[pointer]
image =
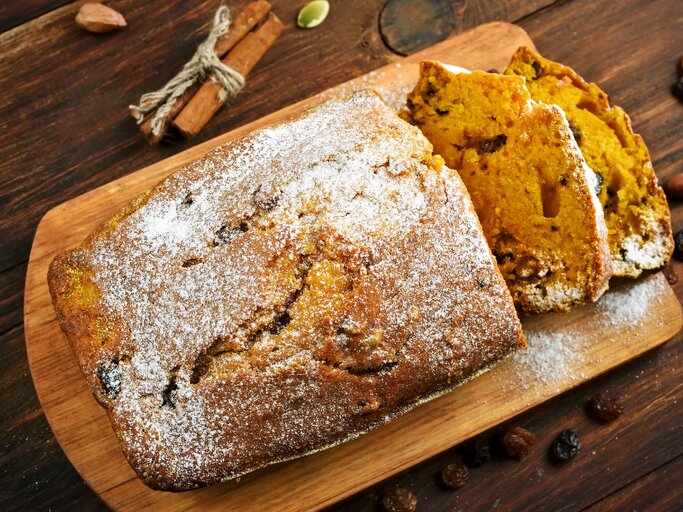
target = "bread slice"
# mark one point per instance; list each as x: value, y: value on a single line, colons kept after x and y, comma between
x: 636, y: 212
x: 531, y: 188
x: 286, y: 292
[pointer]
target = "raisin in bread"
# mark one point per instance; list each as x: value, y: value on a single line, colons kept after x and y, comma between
x: 283, y: 294
x: 636, y: 212
x: 530, y: 186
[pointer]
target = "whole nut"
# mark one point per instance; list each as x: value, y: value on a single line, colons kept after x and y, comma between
x: 674, y: 187
x: 99, y: 18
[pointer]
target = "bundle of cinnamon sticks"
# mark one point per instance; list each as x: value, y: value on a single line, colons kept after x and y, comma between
x: 241, y: 49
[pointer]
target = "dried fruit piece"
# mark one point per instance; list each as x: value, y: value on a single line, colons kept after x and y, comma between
x: 226, y: 234
x: 476, y: 454
x: 109, y: 375
x: 517, y: 442
x: 598, y: 187
x: 491, y: 145
x: 678, y: 241
x: 538, y: 70
x: 455, y: 475
x: 313, y: 14
x: 575, y: 132
x: 677, y: 89
x: 603, y: 408
x: 399, y: 499
x: 566, y: 446
x: 670, y: 273
x: 674, y: 187
x: 99, y: 18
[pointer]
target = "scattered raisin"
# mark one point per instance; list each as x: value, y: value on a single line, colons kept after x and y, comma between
x: 267, y: 199
x: 399, y: 499
x: 502, y: 258
x: 678, y: 249
x: 670, y: 273
x: 201, y: 368
x: 269, y: 203
x: 566, y: 446
x: 603, y: 408
x: 538, y: 70
x: 280, y: 323
x: 518, y: 442
x: 441, y: 112
x: 677, y: 89
x: 431, y: 90
x: 476, y: 454
x: 674, y: 187
x: 189, y: 199
x: 167, y: 395
x: 372, y: 404
x: 598, y: 187
x: 575, y: 132
x: 109, y: 375
x: 226, y: 234
x: 190, y: 262
x: 491, y: 145
x: 455, y: 475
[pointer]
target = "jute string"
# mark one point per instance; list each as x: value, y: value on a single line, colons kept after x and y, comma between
x: 204, y: 63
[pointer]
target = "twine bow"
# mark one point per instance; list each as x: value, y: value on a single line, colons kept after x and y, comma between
x: 204, y: 63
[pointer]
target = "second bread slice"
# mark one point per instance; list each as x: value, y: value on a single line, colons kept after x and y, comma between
x: 532, y: 189
x: 636, y: 212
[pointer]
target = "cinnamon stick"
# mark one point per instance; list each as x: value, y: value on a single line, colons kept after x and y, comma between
x: 242, y: 58
x: 251, y: 15
x: 244, y: 22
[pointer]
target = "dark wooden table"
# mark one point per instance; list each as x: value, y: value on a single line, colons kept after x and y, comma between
x: 65, y: 130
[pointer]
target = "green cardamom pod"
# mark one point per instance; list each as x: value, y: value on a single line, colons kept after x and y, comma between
x: 313, y: 13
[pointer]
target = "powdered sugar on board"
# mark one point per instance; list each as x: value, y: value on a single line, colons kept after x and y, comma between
x: 557, y: 349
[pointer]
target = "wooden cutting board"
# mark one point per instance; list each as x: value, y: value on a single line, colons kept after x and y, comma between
x: 566, y: 349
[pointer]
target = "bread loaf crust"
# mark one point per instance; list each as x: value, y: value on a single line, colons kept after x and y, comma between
x: 285, y: 293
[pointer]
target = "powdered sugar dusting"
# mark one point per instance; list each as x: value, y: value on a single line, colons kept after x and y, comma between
x: 629, y: 305
x: 290, y: 291
x: 556, y: 354
x: 551, y: 356
x: 645, y: 252
x: 393, y: 85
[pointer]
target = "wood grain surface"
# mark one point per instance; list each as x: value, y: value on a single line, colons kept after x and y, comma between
x: 82, y: 427
x: 65, y: 130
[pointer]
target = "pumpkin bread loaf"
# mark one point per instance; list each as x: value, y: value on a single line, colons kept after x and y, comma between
x: 531, y: 188
x: 636, y: 212
x: 284, y: 293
